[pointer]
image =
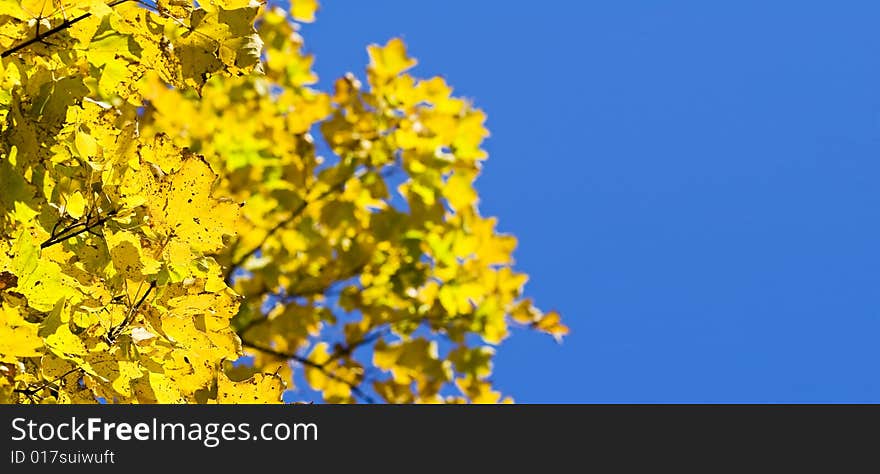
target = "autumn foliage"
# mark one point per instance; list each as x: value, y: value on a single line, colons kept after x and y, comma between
x: 185, y: 217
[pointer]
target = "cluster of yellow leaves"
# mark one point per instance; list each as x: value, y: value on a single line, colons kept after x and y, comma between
x: 112, y: 289
x: 165, y: 211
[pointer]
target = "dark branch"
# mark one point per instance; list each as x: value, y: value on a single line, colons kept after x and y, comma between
x: 29, y: 392
x: 294, y: 214
x: 240, y: 260
x: 355, y: 388
x: 76, y: 229
x: 345, y: 351
x: 63, y: 26
x: 247, y: 327
x: 326, y: 290
x: 132, y: 312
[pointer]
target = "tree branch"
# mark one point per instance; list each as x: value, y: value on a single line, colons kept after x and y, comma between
x: 355, y: 388
x: 132, y: 312
x: 63, y: 26
x: 29, y: 392
x: 296, y: 212
x: 74, y: 230
x: 346, y: 350
x: 325, y: 290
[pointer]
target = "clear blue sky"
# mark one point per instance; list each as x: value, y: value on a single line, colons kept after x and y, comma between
x: 694, y: 185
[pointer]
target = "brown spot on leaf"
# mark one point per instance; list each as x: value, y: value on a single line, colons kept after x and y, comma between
x: 7, y: 280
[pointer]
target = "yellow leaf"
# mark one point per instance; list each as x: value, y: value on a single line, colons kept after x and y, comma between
x: 260, y: 388
x: 18, y: 337
x: 76, y: 205
x: 13, y: 9
x: 478, y: 391
x: 128, y: 256
x: 54, y: 367
x: 491, y: 320
x: 164, y: 390
x: 394, y: 392
x: 332, y: 379
x: 551, y: 323
x: 86, y: 145
x: 459, y: 191
x: 190, y: 371
x: 493, y: 249
x: 391, y: 59
x: 40, y: 280
x: 179, y: 8
x: 303, y: 10
x: 411, y: 360
x: 113, y: 75
x: 56, y: 330
x: 127, y: 371
x: 476, y: 362
x: 18, y: 197
x: 223, y: 40
x: 99, y: 8
x: 187, y: 210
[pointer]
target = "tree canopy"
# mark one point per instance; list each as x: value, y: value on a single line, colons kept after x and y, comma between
x: 185, y: 217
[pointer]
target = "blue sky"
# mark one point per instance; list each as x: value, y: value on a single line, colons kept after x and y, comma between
x: 694, y: 185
